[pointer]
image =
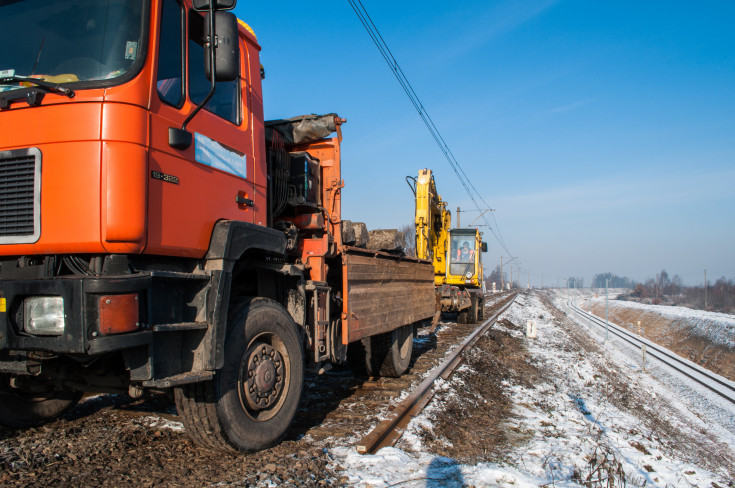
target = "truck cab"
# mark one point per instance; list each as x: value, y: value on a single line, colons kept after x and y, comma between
x: 118, y: 242
x: 98, y: 175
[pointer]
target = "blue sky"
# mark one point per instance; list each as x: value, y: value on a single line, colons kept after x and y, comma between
x: 603, y: 133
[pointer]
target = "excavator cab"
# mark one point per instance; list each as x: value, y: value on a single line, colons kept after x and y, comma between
x: 465, y: 257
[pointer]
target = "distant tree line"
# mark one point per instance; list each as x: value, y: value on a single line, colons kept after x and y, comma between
x: 718, y: 296
x: 661, y: 289
x: 613, y: 281
x: 575, y: 282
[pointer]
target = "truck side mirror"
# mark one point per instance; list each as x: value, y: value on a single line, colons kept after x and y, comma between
x: 227, y: 48
x: 483, y: 247
x: 202, y: 5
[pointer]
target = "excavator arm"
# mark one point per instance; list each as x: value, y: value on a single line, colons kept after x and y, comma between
x: 433, y: 222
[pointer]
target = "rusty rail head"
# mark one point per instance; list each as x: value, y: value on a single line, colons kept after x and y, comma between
x: 388, y: 431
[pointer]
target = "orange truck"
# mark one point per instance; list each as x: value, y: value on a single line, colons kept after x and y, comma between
x: 157, y: 234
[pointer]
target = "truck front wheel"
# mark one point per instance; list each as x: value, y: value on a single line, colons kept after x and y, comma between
x: 22, y: 407
x: 250, y: 403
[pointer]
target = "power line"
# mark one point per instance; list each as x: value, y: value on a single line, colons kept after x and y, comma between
x: 377, y: 38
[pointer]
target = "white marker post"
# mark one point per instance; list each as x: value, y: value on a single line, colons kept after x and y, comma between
x: 643, y: 352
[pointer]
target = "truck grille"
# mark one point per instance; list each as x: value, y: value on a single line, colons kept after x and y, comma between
x: 20, y: 196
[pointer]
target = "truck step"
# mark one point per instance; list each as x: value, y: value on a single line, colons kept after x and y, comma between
x: 180, y: 379
x: 179, y: 326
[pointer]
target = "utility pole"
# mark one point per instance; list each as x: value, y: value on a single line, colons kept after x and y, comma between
x: 542, y: 281
x: 518, y: 274
x: 502, y: 283
x: 529, y: 279
x: 457, y: 218
x: 705, y: 287
x: 511, y: 276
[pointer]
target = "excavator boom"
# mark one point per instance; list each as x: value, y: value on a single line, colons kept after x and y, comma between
x: 433, y: 222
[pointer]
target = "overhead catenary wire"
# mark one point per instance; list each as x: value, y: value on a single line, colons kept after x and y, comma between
x: 395, y: 67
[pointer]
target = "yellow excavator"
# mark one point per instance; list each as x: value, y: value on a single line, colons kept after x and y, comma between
x: 456, y: 253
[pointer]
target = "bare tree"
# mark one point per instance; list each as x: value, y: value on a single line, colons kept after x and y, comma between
x: 409, y: 239
x: 672, y: 291
x: 495, y: 278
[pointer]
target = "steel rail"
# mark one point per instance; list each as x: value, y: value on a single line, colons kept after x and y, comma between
x: 672, y: 360
x: 659, y: 349
x: 388, y: 431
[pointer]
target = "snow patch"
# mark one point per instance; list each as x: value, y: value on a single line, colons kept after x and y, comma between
x: 578, y: 433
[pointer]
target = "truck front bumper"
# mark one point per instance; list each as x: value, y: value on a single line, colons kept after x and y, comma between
x: 84, y: 298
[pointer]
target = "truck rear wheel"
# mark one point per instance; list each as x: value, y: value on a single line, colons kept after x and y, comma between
x: 252, y: 400
x: 22, y: 408
x: 387, y: 354
x: 359, y: 357
x: 399, y: 343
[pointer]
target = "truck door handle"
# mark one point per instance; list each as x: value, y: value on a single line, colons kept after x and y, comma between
x: 244, y: 201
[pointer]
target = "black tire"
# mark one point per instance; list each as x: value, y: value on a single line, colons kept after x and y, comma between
x: 399, y: 349
x: 359, y: 357
x: 462, y: 316
x: 472, y: 312
x: 252, y: 400
x: 20, y: 409
x: 481, y: 310
x: 387, y: 354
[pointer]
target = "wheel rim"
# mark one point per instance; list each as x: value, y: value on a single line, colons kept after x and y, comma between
x: 264, y: 377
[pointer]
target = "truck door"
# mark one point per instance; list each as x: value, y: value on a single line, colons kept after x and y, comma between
x: 193, y: 188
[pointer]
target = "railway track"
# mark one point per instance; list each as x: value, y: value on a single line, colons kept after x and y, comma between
x: 387, y: 432
x: 338, y: 404
x: 713, y: 382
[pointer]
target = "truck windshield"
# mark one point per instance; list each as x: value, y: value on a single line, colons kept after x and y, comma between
x: 462, y: 254
x: 66, y: 41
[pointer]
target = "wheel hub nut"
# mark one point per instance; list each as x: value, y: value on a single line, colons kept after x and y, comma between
x: 263, y: 377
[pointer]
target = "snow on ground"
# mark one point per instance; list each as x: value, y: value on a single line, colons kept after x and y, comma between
x: 160, y: 423
x: 690, y: 398
x: 713, y: 326
x: 594, y: 417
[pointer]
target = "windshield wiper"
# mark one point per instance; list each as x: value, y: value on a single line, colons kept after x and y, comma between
x: 48, y: 86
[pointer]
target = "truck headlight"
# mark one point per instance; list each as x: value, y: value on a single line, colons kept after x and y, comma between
x: 469, y: 275
x: 43, y: 315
